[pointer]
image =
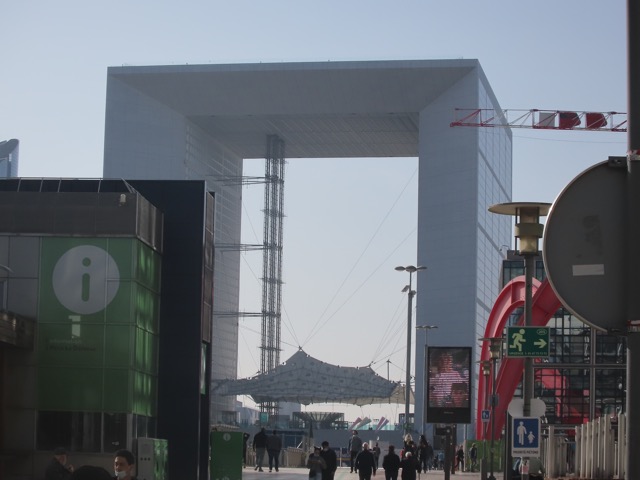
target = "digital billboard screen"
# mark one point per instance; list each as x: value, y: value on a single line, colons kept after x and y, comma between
x: 449, y: 385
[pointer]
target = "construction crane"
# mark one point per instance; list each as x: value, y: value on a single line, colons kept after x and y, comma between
x: 542, y: 119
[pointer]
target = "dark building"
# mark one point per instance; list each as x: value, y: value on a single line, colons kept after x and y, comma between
x: 105, y: 321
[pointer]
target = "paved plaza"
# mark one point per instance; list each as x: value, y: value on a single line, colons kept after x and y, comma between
x: 343, y: 474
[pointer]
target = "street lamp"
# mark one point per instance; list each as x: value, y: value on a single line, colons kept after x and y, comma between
x: 486, y: 371
x: 410, y: 293
x: 528, y: 230
x: 426, y: 328
x: 495, y: 349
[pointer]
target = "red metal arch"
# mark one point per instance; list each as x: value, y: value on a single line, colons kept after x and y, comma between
x: 544, y: 305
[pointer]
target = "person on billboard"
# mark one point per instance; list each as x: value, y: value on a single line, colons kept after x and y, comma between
x: 459, y: 395
x: 445, y: 376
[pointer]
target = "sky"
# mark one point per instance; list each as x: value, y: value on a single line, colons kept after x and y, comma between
x: 342, y: 300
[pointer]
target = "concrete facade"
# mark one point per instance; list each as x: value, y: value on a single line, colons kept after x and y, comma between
x: 201, y: 121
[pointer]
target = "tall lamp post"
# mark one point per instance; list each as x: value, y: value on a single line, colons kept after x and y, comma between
x: 486, y: 371
x: 410, y: 293
x: 528, y: 230
x: 495, y: 348
x: 426, y: 329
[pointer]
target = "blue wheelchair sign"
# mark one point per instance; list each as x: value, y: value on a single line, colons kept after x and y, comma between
x: 486, y: 414
x: 526, y: 436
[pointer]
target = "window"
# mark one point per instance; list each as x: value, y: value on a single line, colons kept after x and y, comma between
x: 77, y: 431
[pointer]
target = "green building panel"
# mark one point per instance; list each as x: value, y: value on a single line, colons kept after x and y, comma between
x: 71, y: 344
x: 98, y: 313
x: 70, y: 389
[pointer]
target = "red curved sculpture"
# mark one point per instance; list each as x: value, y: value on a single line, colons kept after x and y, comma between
x: 545, y: 303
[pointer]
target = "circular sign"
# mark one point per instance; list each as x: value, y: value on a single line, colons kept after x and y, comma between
x: 80, y: 279
x: 584, y: 248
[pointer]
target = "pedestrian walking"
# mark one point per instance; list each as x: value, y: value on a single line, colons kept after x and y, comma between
x: 391, y: 464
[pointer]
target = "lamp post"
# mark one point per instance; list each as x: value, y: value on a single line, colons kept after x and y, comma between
x: 486, y: 371
x: 528, y: 230
x: 426, y: 329
x: 495, y: 349
x: 410, y: 293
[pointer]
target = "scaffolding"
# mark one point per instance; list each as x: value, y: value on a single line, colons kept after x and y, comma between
x: 272, y: 261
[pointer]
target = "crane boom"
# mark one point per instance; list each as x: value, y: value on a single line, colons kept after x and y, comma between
x: 542, y: 119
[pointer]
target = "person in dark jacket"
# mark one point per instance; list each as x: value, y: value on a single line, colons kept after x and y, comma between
x: 274, y: 445
x: 124, y: 463
x: 391, y: 464
x: 245, y: 439
x: 409, y: 467
x: 316, y: 464
x: 58, y: 469
x: 423, y: 463
x: 260, y: 447
x: 90, y: 472
x: 365, y: 463
x: 331, y: 459
x: 355, y: 447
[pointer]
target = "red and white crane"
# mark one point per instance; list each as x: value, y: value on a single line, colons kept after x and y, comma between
x: 542, y: 119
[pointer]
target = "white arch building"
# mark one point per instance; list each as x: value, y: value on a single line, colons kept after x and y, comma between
x: 201, y: 121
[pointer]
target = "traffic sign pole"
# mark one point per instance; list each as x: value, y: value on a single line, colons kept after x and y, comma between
x: 633, y: 225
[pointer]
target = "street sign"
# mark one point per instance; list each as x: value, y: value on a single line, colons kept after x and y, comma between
x: 526, y: 437
x: 537, y: 407
x: 584, y: 249
x: 486, y: 414
x: 527, y: 342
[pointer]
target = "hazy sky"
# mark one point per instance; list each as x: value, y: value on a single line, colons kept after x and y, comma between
x: 349, y: 222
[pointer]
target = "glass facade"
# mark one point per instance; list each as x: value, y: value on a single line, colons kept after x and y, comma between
x: 9, y: 155
x: 585, y: 374
x: 223, y: 172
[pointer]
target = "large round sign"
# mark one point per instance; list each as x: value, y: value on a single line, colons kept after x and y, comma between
x: 584, y: 247
x: 81, y: 276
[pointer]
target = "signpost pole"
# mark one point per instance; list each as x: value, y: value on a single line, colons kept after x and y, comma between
x: 633, y: 219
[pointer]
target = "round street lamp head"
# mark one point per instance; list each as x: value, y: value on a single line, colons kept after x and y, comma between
x: 410, y: 268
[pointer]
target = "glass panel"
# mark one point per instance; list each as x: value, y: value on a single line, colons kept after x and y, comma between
x: 76, y: 431
x: 67, y: 388
x: 115, y: 431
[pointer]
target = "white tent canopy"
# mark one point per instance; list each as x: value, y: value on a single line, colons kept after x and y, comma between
x: 306, y: 380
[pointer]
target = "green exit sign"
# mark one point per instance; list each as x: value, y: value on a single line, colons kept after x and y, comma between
x: 525, y: 342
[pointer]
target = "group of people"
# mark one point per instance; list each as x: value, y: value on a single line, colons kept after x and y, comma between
x: 412, y: 459
x: 59, y: 468
x: 263, y: 443
x: 322, y: 463
x: 422, y: 452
